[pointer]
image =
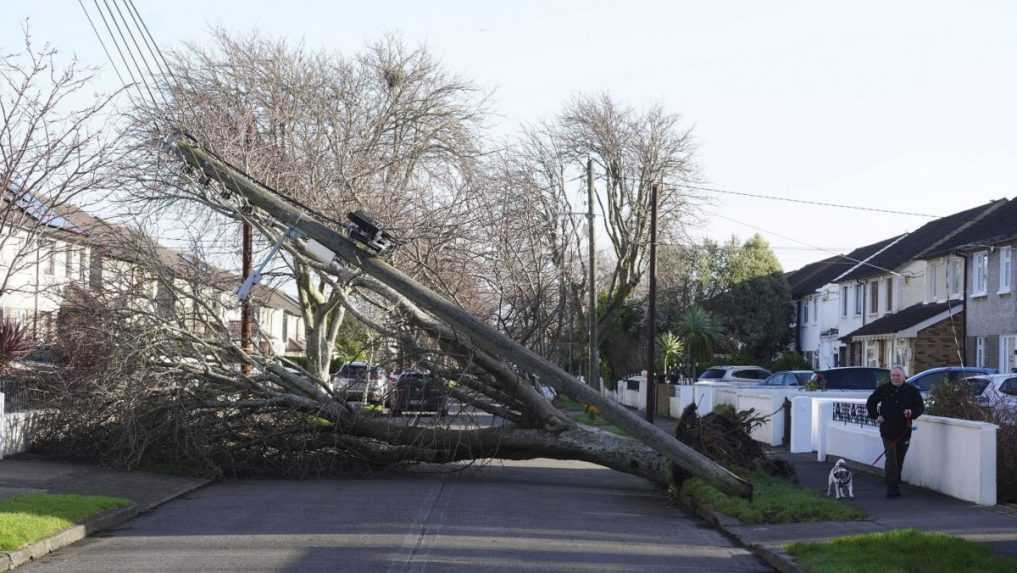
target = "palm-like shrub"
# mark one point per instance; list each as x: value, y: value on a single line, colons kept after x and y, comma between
x: 14, y: 342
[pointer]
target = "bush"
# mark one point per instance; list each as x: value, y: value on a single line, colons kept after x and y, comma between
x: 790, y: 361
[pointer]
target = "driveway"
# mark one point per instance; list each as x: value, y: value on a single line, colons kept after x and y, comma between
x: 539, y: 515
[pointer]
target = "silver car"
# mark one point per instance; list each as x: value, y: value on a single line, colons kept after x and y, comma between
x: 740, y: 375
x: 995, y: 390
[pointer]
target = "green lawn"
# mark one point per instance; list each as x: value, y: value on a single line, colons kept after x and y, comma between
x: 775, y: 500
x: 29, y: 517
x: 899, y: 551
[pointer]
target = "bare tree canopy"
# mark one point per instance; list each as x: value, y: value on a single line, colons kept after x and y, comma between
x: 52, y: 155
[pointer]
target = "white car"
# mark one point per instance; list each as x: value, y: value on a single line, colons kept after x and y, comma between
x: 995, y: 390
x: 740, y: 375
x: 355, y: 377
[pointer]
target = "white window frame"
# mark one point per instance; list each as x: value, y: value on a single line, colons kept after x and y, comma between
x: 873, y: 297
x: 1005, y: 270
x: 980, y: 352
x: 980, y: 273
x: 805, y: 311
x: 859, y: 298
x: 1007, y: 359
x: 933, y: 282
x: 815, y: 310
x: 845, y: 292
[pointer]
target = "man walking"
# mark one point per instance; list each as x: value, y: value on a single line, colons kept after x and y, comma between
x: 894, y: 406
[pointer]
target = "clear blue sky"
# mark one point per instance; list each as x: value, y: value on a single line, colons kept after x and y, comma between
x: 907, y: 105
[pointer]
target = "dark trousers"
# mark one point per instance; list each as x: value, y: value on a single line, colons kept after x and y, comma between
x: 895, y: 453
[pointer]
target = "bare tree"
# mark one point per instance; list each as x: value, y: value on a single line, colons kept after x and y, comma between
x: 53, y: 155
x: 387, y: 131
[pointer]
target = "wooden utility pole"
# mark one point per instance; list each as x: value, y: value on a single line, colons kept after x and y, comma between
x: 594, y: 347
x: 245, y: 306
x: 651, y: 313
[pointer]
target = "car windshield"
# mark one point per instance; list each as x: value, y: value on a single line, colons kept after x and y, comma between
x: 358, y: 371
x: 803, y: 377
x: 712, y: 374
x: 977, y: 385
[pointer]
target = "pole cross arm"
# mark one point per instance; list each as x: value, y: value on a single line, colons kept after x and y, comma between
x: 480, y: 334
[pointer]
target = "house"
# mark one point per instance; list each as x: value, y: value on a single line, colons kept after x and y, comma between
x: 41, y: 252
x: 818, y: 303
x: 908, y: 308
x: 983, y: 274
x: 68, y: 246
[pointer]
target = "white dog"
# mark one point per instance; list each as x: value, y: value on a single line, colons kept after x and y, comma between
x: 841, y: 481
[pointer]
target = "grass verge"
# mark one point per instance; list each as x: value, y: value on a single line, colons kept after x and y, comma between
x: 774, y: 500
x: 29, y: 517
x: 899, y: 551
x: 583, y: 415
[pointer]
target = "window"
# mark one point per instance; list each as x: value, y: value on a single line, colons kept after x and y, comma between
x: 285, y: 328
x: 1009, y: 387
x: 46, y: 256
x: 805, y: 313
x: 980, y: 352
x: 874, y: 297
x: 1005, y: 269
x: 843, y: 301
x: 933, y: 281
x: 859, y: 294
x: 83, y: 266
x: 815, y: 309
x: 925, y: 383
x: 956, y: 273
x: 979, y: 280
x: 712, y: 374
x: 68, y: 262
x: 889, y: 294
x: 1007, y: 356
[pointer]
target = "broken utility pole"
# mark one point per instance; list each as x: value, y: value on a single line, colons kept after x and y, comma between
x: 475, y: 332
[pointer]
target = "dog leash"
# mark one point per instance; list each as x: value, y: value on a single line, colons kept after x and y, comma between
x: 893, y: 443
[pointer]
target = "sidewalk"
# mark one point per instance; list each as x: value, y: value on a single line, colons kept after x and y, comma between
x: 29, y: 473
x: 918, y: 508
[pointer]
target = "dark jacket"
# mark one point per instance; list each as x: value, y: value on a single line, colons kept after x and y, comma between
x: 890, y: 402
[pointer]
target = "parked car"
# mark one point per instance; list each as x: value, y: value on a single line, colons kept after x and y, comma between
x: 850, y: 378
x: 353, y: 378
x: 788, y: 378
x: 419, y: 392
x: 742, y: 375
x: 926, y: 379
x: 995, y: 390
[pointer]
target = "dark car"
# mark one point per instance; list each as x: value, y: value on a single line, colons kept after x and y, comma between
x: 926, y: 379
x: 851, y: 378
x: 788, y: 378
x: 419, y: 392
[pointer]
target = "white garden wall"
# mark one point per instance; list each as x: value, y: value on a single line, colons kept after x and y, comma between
x: 955, y: 457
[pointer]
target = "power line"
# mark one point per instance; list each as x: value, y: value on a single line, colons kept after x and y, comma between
x: 792, y: 239
x: 811, y: 202
x: 769, y: 197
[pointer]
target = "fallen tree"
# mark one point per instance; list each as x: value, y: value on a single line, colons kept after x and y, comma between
x: 538, y: 431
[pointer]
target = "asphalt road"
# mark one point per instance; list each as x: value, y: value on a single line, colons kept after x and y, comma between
x: 540, y: 515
